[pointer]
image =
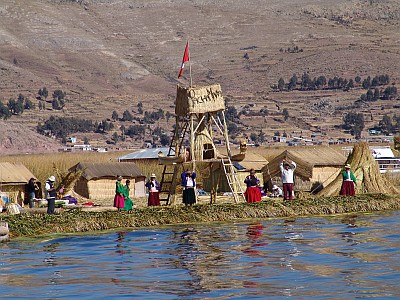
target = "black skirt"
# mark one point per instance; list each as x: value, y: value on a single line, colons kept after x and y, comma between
x: 188, y: 196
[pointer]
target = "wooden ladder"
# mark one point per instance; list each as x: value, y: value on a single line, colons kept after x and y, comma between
x: 169, y: 175
x: 231, y: 178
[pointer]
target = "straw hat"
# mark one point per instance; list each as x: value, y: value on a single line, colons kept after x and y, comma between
x: 347, y: 166
x: 153, y: 175
x: 52, y: 178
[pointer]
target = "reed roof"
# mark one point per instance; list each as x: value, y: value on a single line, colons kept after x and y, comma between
x: 251, y: 161
x: 101, y: 170
x: 14, y: 173
x: 307, y: 159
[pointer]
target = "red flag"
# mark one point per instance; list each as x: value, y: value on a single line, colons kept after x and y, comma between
x: 185, y: 59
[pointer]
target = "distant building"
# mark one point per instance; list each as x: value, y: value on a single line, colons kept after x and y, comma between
x: 144, y: 154
x: 71, y: 140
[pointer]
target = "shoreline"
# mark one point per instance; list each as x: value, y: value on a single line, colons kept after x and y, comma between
x: 31, y: 224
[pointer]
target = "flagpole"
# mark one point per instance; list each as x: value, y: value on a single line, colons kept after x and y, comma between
x: 190, y: 65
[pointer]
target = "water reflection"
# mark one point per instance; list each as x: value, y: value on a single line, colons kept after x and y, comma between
x: 354, y: 256
x: 254, y: 233
x: 122, y: 245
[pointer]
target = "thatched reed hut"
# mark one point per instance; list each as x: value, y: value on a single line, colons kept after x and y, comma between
x: 251, y: 161
x: 98, y: 179
x: 314, y: 165
x: 14, y: 178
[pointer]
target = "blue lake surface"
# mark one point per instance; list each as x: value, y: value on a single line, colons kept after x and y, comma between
x: 341, y: 257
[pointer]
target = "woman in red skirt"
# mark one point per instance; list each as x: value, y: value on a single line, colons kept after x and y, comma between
x: 252, y: 193
x: 349, y: 180
x: 154, y: 191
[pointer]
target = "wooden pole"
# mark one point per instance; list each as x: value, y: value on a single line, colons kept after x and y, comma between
x: 190, y: 66
x: 192, y: 142
x: 213, y: 191
x: 228, y: 148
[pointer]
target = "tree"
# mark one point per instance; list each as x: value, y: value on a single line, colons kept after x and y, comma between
x: 115, y: 137
x: 168, y: 115
x: 366, y: 83
x: 261, y: 137
x: 292, y: 83
x: 4, y: 111
x: 386, y: 124
x: 127, y: 116
x: 28, y: 104
x: 320, y: 81
x: 86, y: 140
x: 253, y: 137
x: 376, y: 94
x: 140, y: 108
x: 305, y: 81
x: 165, y: 139
x: 231, y: 114
x: 114, y: 115
x: 285, y: 114
x: 15, y: 107
x: 59, y: 95
x: 350, y: 84
x: 355, y: 123
x: 232, y: 128
x: 43, y: 93
x: 281, y: 84
x: 389, y: 93
x: 55, y: 104
x: 122, y: 128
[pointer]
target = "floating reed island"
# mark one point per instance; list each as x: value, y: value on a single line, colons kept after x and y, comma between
x: 374, y: 193
x: 31, y: 224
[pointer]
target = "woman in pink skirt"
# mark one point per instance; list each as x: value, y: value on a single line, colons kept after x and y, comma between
x: 119, y: 199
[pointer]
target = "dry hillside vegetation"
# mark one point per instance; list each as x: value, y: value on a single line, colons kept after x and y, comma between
x: 110, y: 54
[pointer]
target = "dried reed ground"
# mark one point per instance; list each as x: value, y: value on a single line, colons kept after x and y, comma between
x: 74, y: 221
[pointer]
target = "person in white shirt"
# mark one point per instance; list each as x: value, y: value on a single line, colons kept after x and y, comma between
x: 287, y: 174
x: 188, y: 187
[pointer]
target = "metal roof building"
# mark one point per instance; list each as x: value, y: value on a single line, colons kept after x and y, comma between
x: 148, y: 153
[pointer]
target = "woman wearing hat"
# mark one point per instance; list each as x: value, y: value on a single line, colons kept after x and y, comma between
x: 119, y: 199
x: 154, y: 191
x: 252, y: 193
x: 287, y: 168
x: 349, y: 180
x: 51, y: 193
x: 188, y: 186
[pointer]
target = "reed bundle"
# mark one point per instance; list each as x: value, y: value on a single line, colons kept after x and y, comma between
x: 366, y: 171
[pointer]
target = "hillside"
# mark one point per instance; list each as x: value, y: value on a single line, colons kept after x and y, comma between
x: 110, y: 55
x: 17, y: 138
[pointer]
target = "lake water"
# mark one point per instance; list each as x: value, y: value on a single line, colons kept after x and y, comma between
x: 341, y: 257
